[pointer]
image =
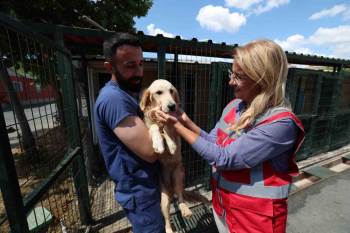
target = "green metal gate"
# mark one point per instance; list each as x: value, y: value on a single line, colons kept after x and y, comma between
x: 42, y: 174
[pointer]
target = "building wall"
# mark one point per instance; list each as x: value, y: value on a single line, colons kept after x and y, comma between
x: 28, y: 91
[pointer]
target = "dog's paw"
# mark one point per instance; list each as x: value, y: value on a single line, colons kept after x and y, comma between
x: 169, y: 230
x: 158, y: 146
x: 172, y: 148
x: 185, y: 211
x: 158, y: 149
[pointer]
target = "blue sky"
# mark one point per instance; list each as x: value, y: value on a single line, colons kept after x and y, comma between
x: 320, y: 27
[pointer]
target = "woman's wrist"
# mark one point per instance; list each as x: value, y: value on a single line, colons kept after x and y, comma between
x: 178, y: 125
x: 187, y: 134
x: 184, y: 122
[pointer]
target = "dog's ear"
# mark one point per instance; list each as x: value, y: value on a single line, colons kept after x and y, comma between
x: 145, y: 100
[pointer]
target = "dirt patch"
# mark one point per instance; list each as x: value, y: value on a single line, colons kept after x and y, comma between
x: 61, y: 202
x: 61, y: 199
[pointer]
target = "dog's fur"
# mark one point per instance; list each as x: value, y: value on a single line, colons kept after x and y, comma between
x: 162, y: 94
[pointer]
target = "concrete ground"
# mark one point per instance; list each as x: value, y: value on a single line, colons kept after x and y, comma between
x: 319, y: 202
x: 323, y: 207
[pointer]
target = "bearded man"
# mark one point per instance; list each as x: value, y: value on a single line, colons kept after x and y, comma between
x: 123, y: 137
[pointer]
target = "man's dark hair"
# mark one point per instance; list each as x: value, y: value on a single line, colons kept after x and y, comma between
x: 111, y: 44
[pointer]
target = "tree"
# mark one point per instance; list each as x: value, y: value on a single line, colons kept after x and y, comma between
x: 118, y: 15
x: 28, y: 140
x: 17, y: 53
x: 114, y: 15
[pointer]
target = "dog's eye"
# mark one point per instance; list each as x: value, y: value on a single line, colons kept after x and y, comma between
x: 159, y: 92
x: 171, y: 91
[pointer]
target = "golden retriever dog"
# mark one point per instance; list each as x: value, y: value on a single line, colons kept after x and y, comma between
x: 162, y: 95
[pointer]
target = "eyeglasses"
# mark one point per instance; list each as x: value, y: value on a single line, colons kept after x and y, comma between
x: 234, y: 76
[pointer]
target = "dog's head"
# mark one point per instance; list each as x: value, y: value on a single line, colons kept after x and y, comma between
x: 160, y: 93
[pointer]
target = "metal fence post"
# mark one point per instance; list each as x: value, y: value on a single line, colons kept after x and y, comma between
x: 212, y: 108
x: 9, y: 185
x: 161, y: 62
x: 213, y: 95
x: 69, y: 99
x: 80, y: 180
x: 291, y: 87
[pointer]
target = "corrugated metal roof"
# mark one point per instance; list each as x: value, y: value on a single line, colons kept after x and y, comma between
x: 76, y: 37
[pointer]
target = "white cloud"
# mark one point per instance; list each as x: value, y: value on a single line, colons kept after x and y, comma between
x: 152, y: 30
x: 241, y: 4
x: 336, y: 35
x: 331, y: 12
x: 295, y: 43
x: 256, y: 6
x: 269, y: 5
x: 217, y: 18
x: 336, y: 40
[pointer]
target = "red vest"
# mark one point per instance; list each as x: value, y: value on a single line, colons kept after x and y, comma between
x: 258, y: 189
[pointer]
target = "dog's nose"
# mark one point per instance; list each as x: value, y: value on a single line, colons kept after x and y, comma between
x: 171, y: 107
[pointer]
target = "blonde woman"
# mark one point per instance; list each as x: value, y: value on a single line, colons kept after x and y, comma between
x: 252, y: 147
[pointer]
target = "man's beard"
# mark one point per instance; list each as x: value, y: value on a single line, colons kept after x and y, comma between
x: 129, y: 84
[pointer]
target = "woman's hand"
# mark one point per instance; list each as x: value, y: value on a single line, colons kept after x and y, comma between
x: 165, y: 118
x: 182, y: 117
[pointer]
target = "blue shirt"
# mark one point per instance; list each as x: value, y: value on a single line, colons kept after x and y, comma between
x: 274, y: 142
x: 135, y: 178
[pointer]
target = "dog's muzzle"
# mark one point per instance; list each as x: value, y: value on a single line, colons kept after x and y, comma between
x: 171, y: 107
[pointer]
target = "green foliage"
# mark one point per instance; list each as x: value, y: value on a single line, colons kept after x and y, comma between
x: 118, y: 15
x: 115, y: 15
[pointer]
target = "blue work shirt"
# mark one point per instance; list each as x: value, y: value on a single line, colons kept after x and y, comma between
x: 136, y: 180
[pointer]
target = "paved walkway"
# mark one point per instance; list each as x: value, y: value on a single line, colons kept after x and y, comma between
x: 322, y: 208
x: 322, y: 204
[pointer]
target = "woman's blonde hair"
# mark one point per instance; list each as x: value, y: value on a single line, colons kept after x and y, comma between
x: 266, y: 63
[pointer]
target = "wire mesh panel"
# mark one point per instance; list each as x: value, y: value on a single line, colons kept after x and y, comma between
x: 191, y: 73
x: 344, y: 97
x: 220, y: 88
x: 107, y: 213
x: 32, y: 107
x: 58, y: 210
x: 329, y: 94
x: 303, y: 88
x: 39, y: 109
x: 340, y: 132
x: 321, y: 132
x: 292, y: 86
x: 306, y: 148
